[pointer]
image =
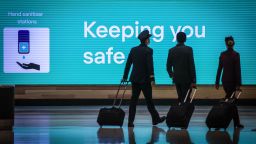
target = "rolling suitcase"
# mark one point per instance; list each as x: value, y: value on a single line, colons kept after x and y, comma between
x: 179, y: 116
x: 7, y: 107
x: 221, y: 114
x: 115, y: 115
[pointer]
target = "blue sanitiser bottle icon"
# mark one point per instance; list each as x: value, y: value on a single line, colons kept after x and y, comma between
x: 23, y: 42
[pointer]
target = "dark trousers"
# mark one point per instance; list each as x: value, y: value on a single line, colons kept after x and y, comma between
x: 147, y: 91
x: 229, y: 88
x: 182, y: 90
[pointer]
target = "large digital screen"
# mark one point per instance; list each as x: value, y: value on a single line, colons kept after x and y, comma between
x: 88, y: 42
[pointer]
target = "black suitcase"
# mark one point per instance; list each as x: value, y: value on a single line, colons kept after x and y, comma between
x: 7, y: 107
x: 179, y: 116
x: 115, y: 115
x: 221, y: 114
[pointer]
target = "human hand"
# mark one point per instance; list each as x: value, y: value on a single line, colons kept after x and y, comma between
x: 238, y: 88
x: 153, y: 83
x: 193, y: 85
x: 217, y: 86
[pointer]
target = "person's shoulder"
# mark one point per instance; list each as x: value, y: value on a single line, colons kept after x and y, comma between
x: 189, y: 47
x: 173, y: 48
x: 236, y: 53
x: 133, y: 48
x: 224, y: 52
x: 149, y: 49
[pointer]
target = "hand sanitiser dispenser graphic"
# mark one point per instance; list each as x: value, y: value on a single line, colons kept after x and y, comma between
x: 23, y: 41
x: 26, y: 50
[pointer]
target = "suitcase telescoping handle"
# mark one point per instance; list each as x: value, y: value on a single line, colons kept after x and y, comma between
x: 238, y: 95
x: 234, y: 93
x: 190, y: 89
x: 125, y: 83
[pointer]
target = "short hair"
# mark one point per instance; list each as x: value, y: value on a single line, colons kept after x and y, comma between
x: 229, y: 40
x: 181, y: 37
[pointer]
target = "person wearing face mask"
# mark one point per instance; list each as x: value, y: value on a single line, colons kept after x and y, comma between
x: 229, y: 67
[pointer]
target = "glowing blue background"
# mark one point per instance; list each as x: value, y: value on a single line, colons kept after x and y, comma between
x: 65, y: 19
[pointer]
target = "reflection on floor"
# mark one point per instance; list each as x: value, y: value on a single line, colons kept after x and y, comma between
x: 77, y: 125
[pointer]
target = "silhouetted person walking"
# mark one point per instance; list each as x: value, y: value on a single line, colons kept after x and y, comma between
x: 181, y: 67
x: 229, y: 62
x: 142, y: 77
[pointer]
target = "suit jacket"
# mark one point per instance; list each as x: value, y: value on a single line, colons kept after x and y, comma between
x: 229, y: 61
x: 141, y: 57
x: 180, y: 64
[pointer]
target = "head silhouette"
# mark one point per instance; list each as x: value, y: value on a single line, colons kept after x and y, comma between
x: 181, y: 37
x: 144, y: 37
x: 229, y: 40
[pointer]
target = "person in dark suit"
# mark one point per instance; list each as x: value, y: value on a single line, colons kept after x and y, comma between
x: 181, y: 67
x: 229, y: 62
x: 141, y: 77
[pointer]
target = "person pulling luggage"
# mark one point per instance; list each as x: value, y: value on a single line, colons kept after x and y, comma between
x: 229, y: 63
x: 180, y: 66
x: 141, y: 77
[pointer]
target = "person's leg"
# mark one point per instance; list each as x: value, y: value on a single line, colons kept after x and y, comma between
x: 147, y: 91
x: 136, y: 89
x: 179, y: 92
x: 229, y: 88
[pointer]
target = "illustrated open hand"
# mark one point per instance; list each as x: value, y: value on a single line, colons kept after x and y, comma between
x: 29, y: 66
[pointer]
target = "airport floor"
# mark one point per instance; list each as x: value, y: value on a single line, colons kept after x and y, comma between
x: 77, y: 125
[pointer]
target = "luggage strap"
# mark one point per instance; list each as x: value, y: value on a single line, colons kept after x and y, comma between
x: 125, y: 84
x: 190, y: 89
x: 234, y: 93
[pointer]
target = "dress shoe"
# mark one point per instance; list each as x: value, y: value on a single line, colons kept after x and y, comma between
x: 239, y: 126
x: 160, y: 120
